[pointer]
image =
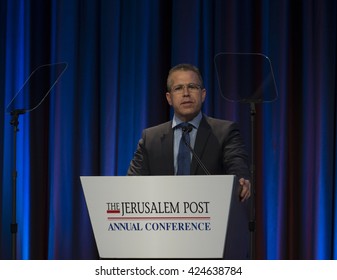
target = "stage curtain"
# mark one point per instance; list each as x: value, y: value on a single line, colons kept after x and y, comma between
x: 118, y: 54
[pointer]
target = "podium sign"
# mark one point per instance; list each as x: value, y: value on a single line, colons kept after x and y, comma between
x: 170, y: 217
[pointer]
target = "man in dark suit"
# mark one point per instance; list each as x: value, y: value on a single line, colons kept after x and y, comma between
x: 217, y: 142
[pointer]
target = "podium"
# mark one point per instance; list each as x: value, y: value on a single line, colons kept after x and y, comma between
x: 166, y: 217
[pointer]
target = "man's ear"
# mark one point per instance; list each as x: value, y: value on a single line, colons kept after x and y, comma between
x: 203, y: 95
x: 168, y: 98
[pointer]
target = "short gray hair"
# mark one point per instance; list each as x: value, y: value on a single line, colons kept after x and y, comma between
x: 184, y: 67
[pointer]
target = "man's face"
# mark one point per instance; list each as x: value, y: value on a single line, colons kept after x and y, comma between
x: 186, y: 95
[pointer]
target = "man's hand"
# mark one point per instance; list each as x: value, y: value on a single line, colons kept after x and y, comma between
x: 245, y: 189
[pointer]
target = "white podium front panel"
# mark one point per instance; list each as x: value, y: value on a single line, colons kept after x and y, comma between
x: 159, y: 216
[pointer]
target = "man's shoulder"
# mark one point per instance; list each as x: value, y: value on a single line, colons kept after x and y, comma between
x: 215, y: 122
x: 159, y: 128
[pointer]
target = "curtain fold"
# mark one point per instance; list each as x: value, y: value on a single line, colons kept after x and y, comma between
x: 118, y: 55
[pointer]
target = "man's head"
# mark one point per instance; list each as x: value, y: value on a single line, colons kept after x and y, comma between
x: 185, y: 91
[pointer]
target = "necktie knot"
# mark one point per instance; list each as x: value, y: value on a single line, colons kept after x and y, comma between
x: 186, y: 127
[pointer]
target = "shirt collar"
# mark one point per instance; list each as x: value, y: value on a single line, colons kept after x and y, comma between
x: 195, y: 122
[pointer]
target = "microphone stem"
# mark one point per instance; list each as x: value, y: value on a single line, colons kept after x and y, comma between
x: 195, y: 155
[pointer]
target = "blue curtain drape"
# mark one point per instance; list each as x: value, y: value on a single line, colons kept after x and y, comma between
x: 118, y: 55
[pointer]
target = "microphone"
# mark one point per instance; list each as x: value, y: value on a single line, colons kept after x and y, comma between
x: 188, y: 129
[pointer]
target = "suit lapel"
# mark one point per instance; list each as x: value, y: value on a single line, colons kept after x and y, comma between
x: 167, y: 148
x: 203, y: 134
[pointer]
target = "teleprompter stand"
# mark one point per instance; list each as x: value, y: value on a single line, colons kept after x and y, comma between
x: 247, y: 78
x: 40, y: 82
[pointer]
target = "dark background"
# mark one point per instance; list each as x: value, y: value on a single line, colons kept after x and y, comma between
x: 118, y: 55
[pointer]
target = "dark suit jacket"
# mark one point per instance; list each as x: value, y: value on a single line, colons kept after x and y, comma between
x: 218, y: 144
x: 220, y: 147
